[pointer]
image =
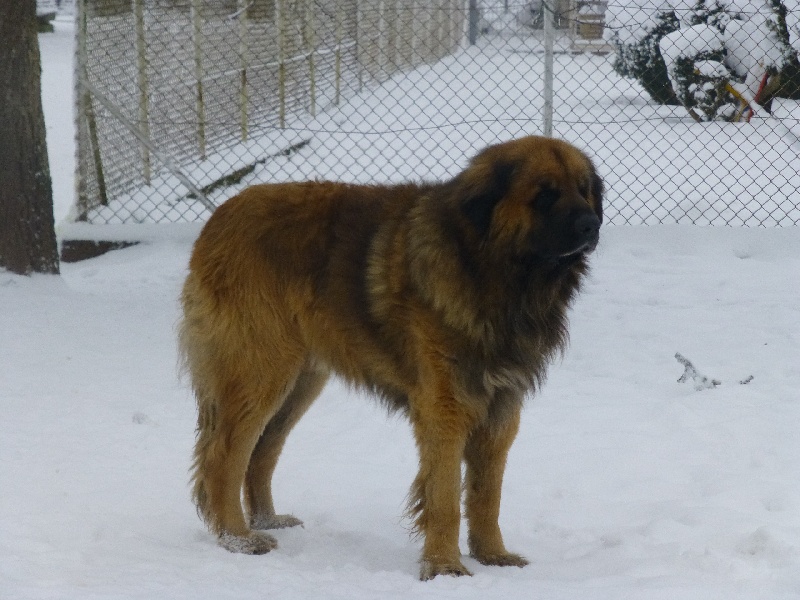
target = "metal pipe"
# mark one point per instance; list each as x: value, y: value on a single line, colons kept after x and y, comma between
x: 549, y: 41
x: 474, y: 16
x: 145, y: 141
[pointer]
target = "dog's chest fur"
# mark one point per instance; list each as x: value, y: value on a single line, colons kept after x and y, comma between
x: 501, y: 327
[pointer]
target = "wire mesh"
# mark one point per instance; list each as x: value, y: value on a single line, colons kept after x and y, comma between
x: 689, y: 108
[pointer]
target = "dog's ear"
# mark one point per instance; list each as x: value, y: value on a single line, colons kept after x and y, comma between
x: 481, y: 198
x: 597, y: 194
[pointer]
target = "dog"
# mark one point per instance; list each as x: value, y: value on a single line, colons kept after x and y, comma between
x: 446, y: 300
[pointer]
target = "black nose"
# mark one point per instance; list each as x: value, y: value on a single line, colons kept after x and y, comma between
x: 587, y: 227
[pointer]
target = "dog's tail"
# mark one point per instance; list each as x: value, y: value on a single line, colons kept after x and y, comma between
x: 195, y: 355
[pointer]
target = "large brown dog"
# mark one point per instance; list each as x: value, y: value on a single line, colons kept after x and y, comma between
x: 446, y: 300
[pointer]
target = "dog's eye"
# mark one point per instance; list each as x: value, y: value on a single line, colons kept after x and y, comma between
x: 546, y: 198
x: 583, y: 190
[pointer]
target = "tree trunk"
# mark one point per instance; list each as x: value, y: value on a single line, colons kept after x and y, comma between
x: 27, y: 235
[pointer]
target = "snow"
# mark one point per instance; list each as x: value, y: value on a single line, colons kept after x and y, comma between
x: 57, y: 50
x: 623, y: 483
x: 711, y: 68
x: 631, y: 21
x: 690, y: 42
x: 752, y: 45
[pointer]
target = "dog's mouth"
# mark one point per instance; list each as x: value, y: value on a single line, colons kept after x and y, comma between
x: 560, y: 258
x: 586, y: 247
x: 574, y: 253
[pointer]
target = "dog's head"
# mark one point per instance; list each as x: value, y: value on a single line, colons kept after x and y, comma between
x: 538, y: 198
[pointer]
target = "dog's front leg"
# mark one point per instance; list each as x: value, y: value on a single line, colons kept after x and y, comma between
x: 441, y: 428
x: 485, y: 454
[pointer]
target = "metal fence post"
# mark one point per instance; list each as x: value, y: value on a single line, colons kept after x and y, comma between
x: 549, y: 40
x: 473, y: 22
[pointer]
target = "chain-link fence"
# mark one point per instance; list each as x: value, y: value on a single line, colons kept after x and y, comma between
x: 689, y: 107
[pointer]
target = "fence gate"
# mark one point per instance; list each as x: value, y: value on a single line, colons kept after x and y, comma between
x: 691, y: 116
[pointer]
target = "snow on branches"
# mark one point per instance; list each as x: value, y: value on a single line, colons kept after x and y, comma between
x: 701, y: 382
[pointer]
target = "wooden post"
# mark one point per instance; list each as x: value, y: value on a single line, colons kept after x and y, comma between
x: 422, y: 30
x: 452, y: 35
x: 436, y: 31
x: 243, y: 56
x: 338, y: 61
x: 381, y: 42
x: 197, y: 42
x: 412, y: 33
x: 308, y: 35
x: 87, y: 112
x: 392, y: 36
x: 359, y: 57
x: 164, y: 158
x: 281, y: 19
x: 143, y: 85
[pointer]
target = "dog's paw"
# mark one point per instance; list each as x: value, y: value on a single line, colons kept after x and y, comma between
x: 501, y: 559
x: 274, y: 521
x: 255, y: 542
x: 431, y: 568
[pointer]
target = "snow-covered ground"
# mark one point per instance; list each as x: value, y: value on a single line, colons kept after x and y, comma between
x: 623, y: 483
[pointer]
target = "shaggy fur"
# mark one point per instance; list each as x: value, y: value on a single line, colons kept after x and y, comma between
x: 446, y: 300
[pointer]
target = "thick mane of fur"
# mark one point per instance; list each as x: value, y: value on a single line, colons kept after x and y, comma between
x: 510, y: 316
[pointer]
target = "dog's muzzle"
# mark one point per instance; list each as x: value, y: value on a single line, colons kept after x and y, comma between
x: 587, y: 231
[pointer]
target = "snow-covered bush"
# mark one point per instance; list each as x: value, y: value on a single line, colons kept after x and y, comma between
x: 715, y: 13
x: 636, y: 28
x: 744, y: 40
x: 756, y: 47
x: 723, y: 56
x: 694, y: 57
x: 635, y: 31
x: 787, y: 26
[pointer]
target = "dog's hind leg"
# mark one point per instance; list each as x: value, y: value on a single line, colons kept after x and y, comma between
x: 229, y: 426
x: 258, y: 481
x: 485, y: 455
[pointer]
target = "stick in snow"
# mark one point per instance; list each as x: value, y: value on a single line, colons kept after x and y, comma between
x: 701, y: 382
